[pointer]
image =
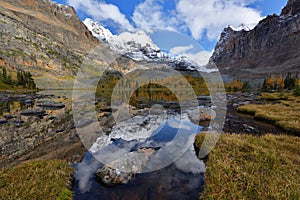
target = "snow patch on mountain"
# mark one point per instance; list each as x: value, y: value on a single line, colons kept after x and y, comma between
x: 242, y: 27
x: 140, y: 47
x: 97, y: 30
x: 66, y: 10
x: 134, y: 42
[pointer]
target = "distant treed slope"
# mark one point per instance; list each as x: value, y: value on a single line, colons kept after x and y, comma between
x: 44, y: 38
x: 272, y: 47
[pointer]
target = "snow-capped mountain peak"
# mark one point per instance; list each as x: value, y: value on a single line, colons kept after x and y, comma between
x: 97, y: 30
x: 139, y: 47
x: 133, y: 42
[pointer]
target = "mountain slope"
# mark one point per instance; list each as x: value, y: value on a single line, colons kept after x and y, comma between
x: 137, y: 50
x: 136, y: 45
x: 272, y: 47
x: 44, y: 38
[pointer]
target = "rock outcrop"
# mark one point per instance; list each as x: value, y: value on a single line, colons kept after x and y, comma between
x: 45, y: 38
x: 272, y: 47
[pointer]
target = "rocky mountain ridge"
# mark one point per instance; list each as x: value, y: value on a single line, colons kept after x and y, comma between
x: 272, y: 47
x: 135, y: 45
x: 50, y: 41
x: 140, y: 49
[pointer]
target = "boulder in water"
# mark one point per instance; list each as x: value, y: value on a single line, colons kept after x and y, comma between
x: 3, y: 121
x: 122, y: 170
x: 33, y: 112
x: 50, y: 104
x: 29, y: 101
x: 9, y: 116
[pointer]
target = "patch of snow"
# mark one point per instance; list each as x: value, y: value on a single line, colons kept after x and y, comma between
x: 138, y: 46
x: 97, y: 30
x: 65, y: 9
x: 68, y: 15
x: 242, y: 27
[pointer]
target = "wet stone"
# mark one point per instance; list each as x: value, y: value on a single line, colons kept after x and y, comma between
x: 29, y: 101
x: 18, y: 122
x: 122, y: 170
x: 50, y: 104
x: 3, y: 121
x: 34, y: 112
x: 9, y: 116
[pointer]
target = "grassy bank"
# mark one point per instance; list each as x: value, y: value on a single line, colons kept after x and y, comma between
x: 249, y: 167
x: 283, y: 109
x: 36, y: 180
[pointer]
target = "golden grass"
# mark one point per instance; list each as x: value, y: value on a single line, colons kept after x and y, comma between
x: 285, y: 114
x: 250, y: 167
x: 36, y: 180
x: 274, y: 96
x: 4, y: 86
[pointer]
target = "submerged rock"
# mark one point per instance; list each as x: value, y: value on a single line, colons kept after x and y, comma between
x: 9, y: 116
x: 122, y: 170
x: 18, y: 123
x: 34, y: 112
x: 3, y: 121
x: 202, y: 115
x: 29, y: 101
x: 50, y: 104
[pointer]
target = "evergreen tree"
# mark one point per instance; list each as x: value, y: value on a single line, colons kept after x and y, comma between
x: 4, y: 74
x: 25, y: 79
x: 5, y: 77
x: 289, y: 82
x: 297, y: 91
x: 8, y: 80
x: 264, y: 86
x: 20, y: 78
x: 246, y: 86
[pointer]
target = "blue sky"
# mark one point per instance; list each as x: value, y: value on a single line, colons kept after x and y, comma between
x: 202, y: 20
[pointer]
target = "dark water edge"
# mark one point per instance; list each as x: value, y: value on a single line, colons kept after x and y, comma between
x: 183, y: 179
x: 167, y: 183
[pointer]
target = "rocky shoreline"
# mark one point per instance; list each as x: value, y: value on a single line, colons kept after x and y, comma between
x: 35, y: 130
x: 34, y: 134
x: 243, y: 123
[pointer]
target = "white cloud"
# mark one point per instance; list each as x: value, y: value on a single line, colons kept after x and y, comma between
x: 208, y: 17
x: 200, y: 17
x: 150, y: 13
x: 200, y: 57
x: 212, y: 16
x: 102, y: 11
x: 181, y: 49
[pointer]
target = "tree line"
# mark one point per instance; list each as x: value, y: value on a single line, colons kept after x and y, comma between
x: 279, y: 84
x: 23, y: 79
x: 238, y: 85
x: 270, y: 84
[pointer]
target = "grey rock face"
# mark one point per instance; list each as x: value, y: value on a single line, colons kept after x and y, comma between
x: 272, y: 47
x: 292, y: 8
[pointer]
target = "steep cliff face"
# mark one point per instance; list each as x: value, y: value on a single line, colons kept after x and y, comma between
x: 292, y: 8
x: 44, y: 38
x: 272, y: 47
